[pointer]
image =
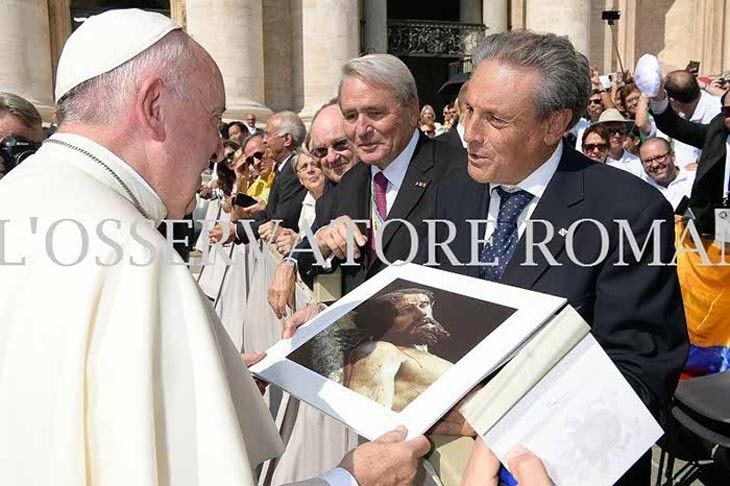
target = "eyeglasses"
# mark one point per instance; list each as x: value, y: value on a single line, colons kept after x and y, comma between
x: 596, y: 102
x: 339, y: 146
x: 658, y: 158
x: 590, y: 147
x: 616, y: 130
x: 256, y: 155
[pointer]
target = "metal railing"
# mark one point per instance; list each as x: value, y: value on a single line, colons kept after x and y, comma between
x: 425, y: 38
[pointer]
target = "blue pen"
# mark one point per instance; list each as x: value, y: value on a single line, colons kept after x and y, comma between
x: 505, y: 477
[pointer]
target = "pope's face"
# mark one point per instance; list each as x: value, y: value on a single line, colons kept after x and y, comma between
x: 194, y: 137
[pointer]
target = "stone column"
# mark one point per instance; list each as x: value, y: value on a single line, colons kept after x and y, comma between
x: 26, y: 68
x: 278, y: 37
x: 567, y: 17
x: 232, y: 33
x: 330, y: 38
x: 495, y: 15
x: 376, y: 26
x: 470, y: 11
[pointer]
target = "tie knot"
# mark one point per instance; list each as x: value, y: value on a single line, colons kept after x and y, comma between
x: 381, y: 181
x: 512, y: 203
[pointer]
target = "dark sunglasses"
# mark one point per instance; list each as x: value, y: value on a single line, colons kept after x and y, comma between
x: 588, y: 147
x: 725, y: 110
x: 616, y: 130
x: 338, y: 146
x: 595, y: 102
x: 256, y: 155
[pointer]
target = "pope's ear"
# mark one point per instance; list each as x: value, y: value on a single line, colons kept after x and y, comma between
x: 148, y: 108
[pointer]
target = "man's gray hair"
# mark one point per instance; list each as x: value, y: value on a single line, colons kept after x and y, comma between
x: 383, y: 69
x: 289, y: 122
x: 104, y: 98
x: 20, y: 108
x: 563, y: 79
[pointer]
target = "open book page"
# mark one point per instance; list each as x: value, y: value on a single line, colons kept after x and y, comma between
x: 525, y: 368
x: 582, y: 419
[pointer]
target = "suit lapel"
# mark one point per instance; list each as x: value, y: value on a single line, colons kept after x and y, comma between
x: 715, y: 154
x: 412, y: 189
x: 564, y: 190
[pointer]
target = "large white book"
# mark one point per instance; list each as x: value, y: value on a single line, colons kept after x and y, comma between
x: 407, y: 345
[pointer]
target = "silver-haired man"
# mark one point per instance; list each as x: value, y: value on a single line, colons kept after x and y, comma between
x: 527, y: 90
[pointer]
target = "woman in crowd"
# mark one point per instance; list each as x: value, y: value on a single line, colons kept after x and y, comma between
x: 428, y: 117
x: 309, y: 173
x: 596, y: 143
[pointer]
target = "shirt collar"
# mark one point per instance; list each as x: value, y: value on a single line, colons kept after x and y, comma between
x: 140, y: 188
x: 461, y: 130
x: 280, y: 165
x: 396, y: 170
x: 537, y: 181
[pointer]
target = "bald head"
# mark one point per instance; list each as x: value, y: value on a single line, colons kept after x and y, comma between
x: 682, y: 87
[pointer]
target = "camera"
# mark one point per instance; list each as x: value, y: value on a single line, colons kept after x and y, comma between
x: 610, y: 16
x: 14, y: 149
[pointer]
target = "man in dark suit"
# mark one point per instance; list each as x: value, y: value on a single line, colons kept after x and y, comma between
x: 710, y: 187
x: 398, y: 170
x: 283, y: 134
x: 527, y: 90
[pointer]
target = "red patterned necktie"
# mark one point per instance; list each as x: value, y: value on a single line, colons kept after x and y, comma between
x: 380, y: 186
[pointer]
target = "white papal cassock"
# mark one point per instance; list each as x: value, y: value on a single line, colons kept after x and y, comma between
x: 113, y: 373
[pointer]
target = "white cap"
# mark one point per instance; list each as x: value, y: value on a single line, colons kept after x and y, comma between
x: 106, y: 41
x: 648, y: 75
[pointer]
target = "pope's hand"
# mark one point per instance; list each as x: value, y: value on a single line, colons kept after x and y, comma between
x: 333, y: 238
x: 292, y: 323
x: 387, y: 460
x: 281, y: 288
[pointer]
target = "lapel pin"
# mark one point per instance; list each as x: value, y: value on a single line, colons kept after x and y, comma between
x: 421, y: 183
x: 563, y: 232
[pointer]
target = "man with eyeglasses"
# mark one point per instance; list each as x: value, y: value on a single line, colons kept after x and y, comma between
x: 283, y: 134
x: 618, y: 157
x: 658, y: 160
x: 329, y: 143
x: 710, y: 188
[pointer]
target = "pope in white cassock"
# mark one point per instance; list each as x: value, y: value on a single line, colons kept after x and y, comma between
x: 113, y: 368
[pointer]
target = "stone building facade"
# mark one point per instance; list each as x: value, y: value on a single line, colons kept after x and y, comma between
x: 286, y: 54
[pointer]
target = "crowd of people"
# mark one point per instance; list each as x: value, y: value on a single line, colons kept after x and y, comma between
x: 534, y: 134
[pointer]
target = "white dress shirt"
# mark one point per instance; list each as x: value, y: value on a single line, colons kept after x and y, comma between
x: 578, y: 130
x: 628, y: 162
x: 307, y: 214
x: 681, y: 186
x: 396, y: 171
x: 460, y: 130
x: 535, y: 184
